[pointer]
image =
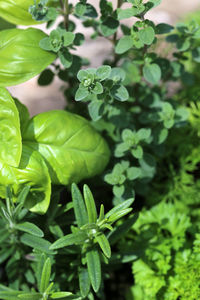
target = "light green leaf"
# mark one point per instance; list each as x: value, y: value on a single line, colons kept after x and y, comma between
x: 23, y: 114
x: 19, y: 64
x: 147, y: 35
x: 80, y: 9
x: 72, y: 149
x: 137, y: 152
x: 33, y: 172
x: 10, y: 135
x: 79, y: 206
x: 58, y: 295
x: 30, y: 296
x: 103, y: 72
x: 152, y: 73
x: 9, y: 294
x: 36, y: 243
x: 104, y: 244
x: 94, y: 109
x: 124, y: 44
x: 118, y: 190
x: 82, y: 74
x: 30, y: 228
x: 84, y: 281
x: 70, y: 239
x: 45, y: 278
x: 81, y: 93
x: 16, y: 11
x: 119, y: 214
x: 97, y: 89
x: 68, y: 38
x: 94, y: 268
x: 133, y: 173
x: 119, y: 207
x: 65, y: 57
x: 90, y: 204
x: 119, y: 92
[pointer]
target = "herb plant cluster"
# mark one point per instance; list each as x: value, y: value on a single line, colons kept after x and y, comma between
x: 126, y: 135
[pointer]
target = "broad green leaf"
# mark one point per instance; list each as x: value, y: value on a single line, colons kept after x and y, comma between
x: 16, y: 11
x: 32, y: 171
x: 45, y: 278
x: 17, y: 62
x: 23, y: 114
x: 70, y: 239
x: 152, y: 73
x: 10, y: 135
x: 36, y: 243
x: 84, y: 281
x: 109, y: 26
x: 30, y: 228
x: 72, y: 149
x: 119, y: 92
x: 79, y: 206
x: 104, y: 244
x: 124, y: 44
x: 147, y: 35
x: 6, y: 25
x: 90, y: 204
x: 94, y: 268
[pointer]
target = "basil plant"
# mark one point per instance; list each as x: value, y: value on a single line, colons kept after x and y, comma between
x: 55, y: 147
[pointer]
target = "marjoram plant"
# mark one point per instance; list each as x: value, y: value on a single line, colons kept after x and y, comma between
x: 122, y: 136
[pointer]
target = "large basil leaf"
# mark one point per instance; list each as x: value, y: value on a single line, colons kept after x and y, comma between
x: 73, y: 150
x: 23, y: 114
x: 10, y: 135
x: 33, y: 171
x: 7, y: 177
x: 21, y: 57
x: 16, y: 11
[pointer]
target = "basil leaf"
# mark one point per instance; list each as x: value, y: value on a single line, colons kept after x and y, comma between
x: 17, y: 62
x: 10, y: 136
x: 16, y: 11
x: 33, y: 171
x: 72, y: 149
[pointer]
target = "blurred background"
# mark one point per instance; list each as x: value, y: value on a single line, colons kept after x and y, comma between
x: 39, y: 99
